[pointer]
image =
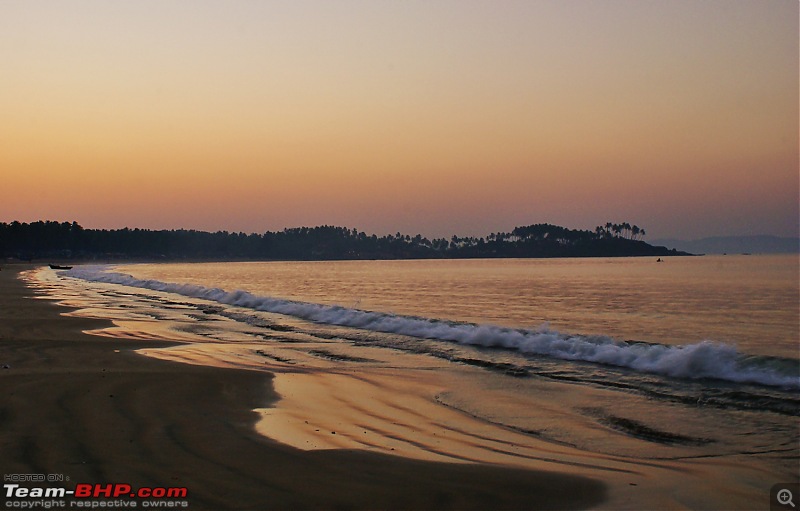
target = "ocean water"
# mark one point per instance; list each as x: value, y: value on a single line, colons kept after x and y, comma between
x: 690, y: 357
x: 728, y: 318
x: 747, y: 301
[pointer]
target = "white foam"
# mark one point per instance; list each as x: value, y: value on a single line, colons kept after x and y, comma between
x: 705, y: 359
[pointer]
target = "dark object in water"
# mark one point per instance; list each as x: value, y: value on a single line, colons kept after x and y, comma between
x: 58, y: 267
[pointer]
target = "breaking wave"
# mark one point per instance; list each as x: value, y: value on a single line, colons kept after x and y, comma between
x: 705, y: 359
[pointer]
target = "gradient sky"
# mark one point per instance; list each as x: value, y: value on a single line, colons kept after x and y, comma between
x: 436, y: 117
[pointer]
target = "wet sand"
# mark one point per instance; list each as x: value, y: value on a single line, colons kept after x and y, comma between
x: 437, y: 413
x: 93, y: 409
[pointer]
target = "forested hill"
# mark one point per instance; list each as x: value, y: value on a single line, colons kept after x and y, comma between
x: 70, y: 241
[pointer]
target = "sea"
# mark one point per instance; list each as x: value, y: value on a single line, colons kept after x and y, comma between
x: 688, y: 357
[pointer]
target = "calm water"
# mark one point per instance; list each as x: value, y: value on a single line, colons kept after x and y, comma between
x: 749, y: 301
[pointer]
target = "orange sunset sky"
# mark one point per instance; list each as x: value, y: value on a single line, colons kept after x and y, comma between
x: 436, y: 117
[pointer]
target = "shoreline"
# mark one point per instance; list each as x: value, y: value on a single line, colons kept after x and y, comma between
x: 90, y: 408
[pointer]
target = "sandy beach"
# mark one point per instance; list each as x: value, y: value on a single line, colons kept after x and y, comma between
x: 92, y: 409
x: 390, y: 255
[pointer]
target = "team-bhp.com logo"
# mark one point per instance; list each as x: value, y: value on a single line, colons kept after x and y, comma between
x: 94, y: 496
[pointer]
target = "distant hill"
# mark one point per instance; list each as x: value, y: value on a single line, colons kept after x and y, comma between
x: 734, y: 245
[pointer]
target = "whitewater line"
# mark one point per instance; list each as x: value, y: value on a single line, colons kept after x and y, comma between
x: 705, y: 359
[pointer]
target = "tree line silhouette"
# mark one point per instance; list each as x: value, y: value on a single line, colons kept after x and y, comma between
x: 70, y: 241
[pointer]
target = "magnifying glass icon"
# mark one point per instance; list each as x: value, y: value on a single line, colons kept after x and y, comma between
x: 785, y: 497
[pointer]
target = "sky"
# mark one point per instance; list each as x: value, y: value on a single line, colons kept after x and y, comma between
x: 436, y: 117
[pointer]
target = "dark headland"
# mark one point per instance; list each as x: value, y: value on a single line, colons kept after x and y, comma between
x: 69, y: 241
